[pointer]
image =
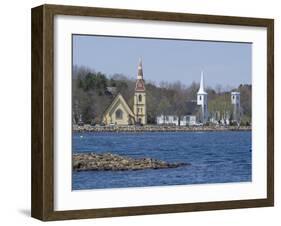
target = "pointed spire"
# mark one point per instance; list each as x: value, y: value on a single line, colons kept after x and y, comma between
x: 201, y: 89
x: 202, y: 81
x: 140, y: 73
x: 140, y: 62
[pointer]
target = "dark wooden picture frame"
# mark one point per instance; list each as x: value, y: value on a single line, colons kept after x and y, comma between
x: 42, y: 203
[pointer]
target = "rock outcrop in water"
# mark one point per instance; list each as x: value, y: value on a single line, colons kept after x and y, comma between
x: 109, y: 161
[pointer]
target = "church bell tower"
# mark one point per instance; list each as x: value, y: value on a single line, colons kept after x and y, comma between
x: 140, y: 98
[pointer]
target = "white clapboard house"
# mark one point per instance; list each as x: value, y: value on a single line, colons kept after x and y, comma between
x: 186, y: 120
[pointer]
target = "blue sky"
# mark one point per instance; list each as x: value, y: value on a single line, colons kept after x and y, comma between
x: 224, y: 63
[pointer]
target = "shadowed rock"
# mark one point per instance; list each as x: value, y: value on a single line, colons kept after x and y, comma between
x: 108, y: 161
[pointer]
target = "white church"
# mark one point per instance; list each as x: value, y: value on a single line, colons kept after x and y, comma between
x: 202, y: 102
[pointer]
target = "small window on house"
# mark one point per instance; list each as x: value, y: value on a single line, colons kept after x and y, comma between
x: 119, y: 114
x: 140, y: 98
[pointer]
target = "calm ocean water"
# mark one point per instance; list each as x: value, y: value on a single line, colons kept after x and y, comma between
x: 215, y: 157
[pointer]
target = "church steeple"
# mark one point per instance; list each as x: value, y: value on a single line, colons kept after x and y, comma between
x: 140, y: 97
x: 140, y: 72
x: 201, y: 89
x: 202, y: 100
x: 140, y: 82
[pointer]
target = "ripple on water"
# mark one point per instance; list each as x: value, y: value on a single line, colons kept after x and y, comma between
x: 215, y: 157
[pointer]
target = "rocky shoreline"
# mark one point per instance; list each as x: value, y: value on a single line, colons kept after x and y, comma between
x: 152, y: 128
x: 113, y: 162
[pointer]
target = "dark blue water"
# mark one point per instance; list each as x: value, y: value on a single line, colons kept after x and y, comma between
x: 215, y: 157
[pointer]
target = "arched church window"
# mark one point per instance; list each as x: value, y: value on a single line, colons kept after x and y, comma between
x: 119, y: 114
x: 200, y: 97
x: 140, y: 98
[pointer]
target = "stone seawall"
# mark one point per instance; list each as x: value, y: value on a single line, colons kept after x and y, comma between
x: 151, y: 128
x: 109, y: 161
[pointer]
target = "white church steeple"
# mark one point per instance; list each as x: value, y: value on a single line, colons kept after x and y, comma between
x: 202, y: 100
x: 202, y: 89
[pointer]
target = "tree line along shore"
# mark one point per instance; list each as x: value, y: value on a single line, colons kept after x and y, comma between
x: 92, y: 93
x: 156, y: 128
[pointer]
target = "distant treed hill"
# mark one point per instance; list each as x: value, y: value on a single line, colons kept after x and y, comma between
x: 93, y: 91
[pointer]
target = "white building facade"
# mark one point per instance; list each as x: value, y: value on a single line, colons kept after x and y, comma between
x: 187, y: 120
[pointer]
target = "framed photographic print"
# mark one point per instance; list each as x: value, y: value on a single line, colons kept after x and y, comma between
x: 141, y: 112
